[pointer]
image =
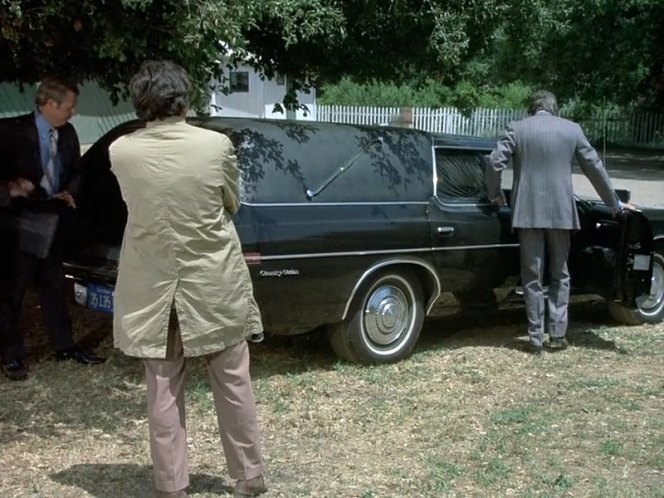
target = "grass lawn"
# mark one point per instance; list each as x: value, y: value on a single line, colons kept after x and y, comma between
x: 469, y: 414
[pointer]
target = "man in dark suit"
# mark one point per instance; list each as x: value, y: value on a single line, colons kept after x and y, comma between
x: 42, y: 147
x: 19, y: 187
x: 541, y: 149
x: 14, y: 188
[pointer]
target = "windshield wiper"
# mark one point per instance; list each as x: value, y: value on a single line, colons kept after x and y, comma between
x: 345, y: 166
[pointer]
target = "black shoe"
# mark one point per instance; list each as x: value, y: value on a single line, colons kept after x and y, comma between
x: 557, y: 344
x: 534, y: 349
x: 15, y: 370
x: 77, y: 353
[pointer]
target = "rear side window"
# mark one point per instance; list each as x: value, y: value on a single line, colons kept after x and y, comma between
x: 280, y: 161
x: 461, y: 176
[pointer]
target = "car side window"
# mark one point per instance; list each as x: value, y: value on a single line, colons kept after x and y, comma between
x: 281, y: 161
x: 461, y: 176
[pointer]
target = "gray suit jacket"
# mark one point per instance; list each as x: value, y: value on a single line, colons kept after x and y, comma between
x: 541, y: 149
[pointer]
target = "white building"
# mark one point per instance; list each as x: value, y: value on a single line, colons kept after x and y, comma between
x: 249, y: 95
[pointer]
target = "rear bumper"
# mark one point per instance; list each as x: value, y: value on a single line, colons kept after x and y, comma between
x: 100, y: 271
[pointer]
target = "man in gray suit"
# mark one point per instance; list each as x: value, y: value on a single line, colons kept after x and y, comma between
x: 541, y: 148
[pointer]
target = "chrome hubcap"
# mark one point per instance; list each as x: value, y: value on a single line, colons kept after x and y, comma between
x: 655, y: 300
x: 387, y: 315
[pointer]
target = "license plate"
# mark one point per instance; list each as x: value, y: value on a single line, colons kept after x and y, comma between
x: 100, y: 298
x: 641, y: 262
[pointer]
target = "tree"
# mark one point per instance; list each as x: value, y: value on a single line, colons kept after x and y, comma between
x: 106, y: 41
x: 595, y: 50
x: 306, y: 40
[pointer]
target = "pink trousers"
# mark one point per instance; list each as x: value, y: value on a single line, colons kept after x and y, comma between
x: 234, y: 402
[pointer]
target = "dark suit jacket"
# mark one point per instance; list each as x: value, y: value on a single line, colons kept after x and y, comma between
x: 20, y: 156
x: 4, y: 195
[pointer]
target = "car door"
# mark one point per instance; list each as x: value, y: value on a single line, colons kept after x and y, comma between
x: 612, y: 255
x: 474, y: 248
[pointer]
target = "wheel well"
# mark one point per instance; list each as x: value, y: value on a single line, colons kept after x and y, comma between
x: 430, y: 285
x: 423, y: 270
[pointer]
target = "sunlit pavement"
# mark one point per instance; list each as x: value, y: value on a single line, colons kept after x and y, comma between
x: 641, y: 172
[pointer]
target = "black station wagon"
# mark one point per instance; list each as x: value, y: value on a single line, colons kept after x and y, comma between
x: 364, y: 230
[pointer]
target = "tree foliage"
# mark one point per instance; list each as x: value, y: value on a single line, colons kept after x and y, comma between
x: 307, y: 40
x: 107, y: 40
x: 593, y: 49
x: 432, y: 93
x: 406, y: 40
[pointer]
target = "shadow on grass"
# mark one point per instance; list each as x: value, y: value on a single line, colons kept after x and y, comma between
x: 65, y: 394
x: 506, y: 328
x: 90, y: 329
x: 128, y: 480
x: 279, y: 355
x: 500, y: 328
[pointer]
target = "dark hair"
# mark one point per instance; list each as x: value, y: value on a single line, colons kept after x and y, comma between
x: 542, y: 100
x: 51, y: 88
x: 159, y: 89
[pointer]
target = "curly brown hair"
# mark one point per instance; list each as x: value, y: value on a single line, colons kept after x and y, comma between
x: 160, y: 89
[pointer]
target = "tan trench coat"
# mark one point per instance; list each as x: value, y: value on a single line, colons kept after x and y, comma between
x: 180, y: 247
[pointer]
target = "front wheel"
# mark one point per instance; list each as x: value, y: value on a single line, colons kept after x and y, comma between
x: 650, y: 308
x: 384, y: 322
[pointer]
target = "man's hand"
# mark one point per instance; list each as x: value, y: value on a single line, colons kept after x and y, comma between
x: 20, y: 187
x: 67, y: 197
x: 498, y: 201
x: 624, y: 206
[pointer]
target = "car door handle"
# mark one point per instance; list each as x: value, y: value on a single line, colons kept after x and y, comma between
x: 445, y: 231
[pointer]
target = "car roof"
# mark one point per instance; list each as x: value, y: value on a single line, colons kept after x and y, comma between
x: 439, y: 139
x: 446, y: 140
x: 463, y: 142
x: 209, y: 122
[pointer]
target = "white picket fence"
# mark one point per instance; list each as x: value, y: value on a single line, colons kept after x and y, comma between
x: 645, y: 129
x: 481, y: 123
x: 357, y: 114
x: 642, y: 128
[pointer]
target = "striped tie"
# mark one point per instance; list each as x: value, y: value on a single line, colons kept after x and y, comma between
x: 48, y: 180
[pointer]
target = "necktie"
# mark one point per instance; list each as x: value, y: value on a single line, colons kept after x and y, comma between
x: 48, y: 180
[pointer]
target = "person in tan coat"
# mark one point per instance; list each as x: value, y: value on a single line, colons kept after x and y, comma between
x: 183, y: 287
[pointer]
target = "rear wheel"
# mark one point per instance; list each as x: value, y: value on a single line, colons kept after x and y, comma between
x: 650, y: 308
x: 384, y: 322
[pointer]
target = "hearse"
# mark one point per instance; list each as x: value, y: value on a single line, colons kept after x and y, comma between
x: 364, y: 229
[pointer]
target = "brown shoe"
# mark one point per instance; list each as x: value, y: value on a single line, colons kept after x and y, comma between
x: 171, y: 494
x: 250, y: 487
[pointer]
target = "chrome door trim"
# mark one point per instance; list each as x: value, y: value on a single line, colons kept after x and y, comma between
x: 308, y: 204
x: 377, y: 252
